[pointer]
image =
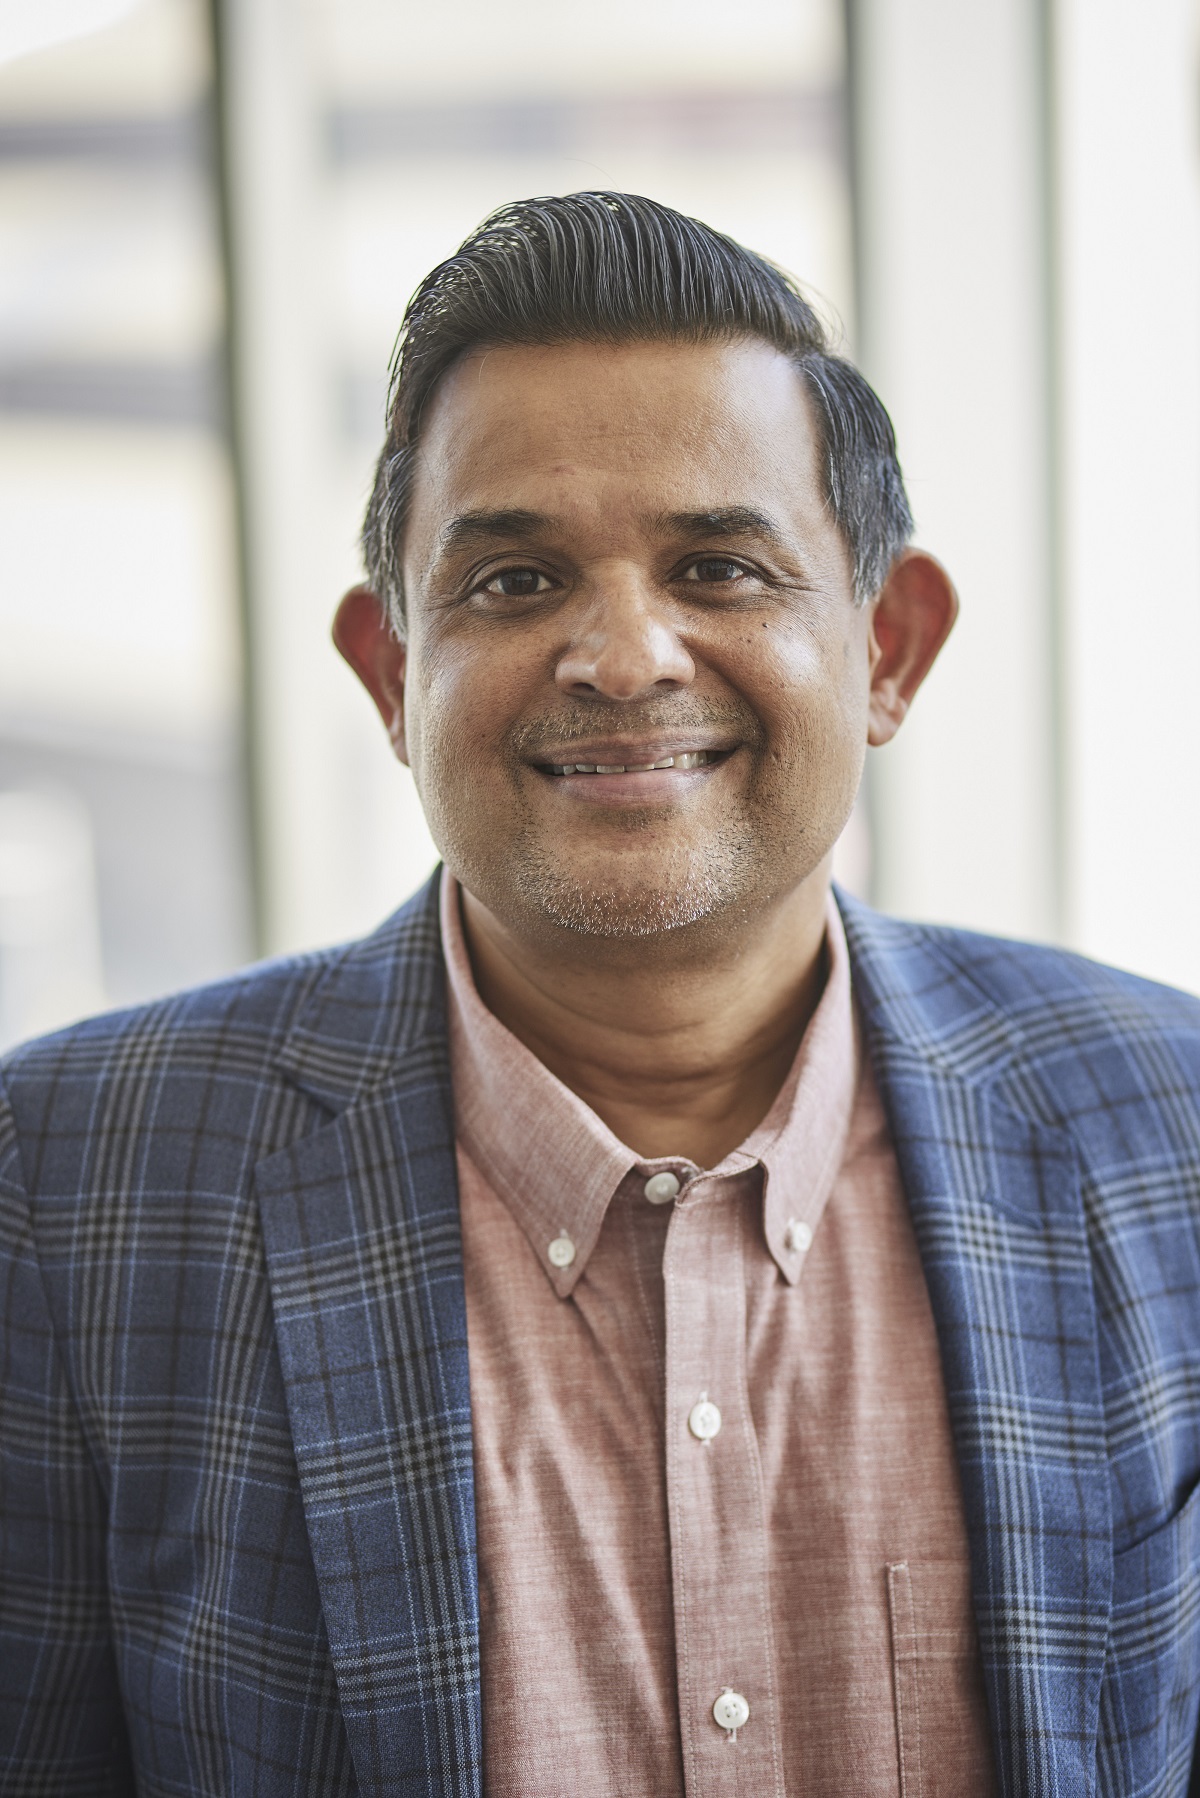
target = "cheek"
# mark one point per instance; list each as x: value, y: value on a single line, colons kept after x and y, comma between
x: 811, y: 691
x: 456, y: 715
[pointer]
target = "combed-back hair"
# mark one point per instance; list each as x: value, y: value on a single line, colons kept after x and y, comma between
x: 617, y: 268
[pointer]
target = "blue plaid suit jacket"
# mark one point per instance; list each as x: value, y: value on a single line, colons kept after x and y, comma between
x: 235, y: 1437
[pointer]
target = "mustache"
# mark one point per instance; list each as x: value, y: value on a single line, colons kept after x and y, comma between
x: 667, y: 716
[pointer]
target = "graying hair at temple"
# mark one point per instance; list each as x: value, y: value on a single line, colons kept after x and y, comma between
x: 618, y: 268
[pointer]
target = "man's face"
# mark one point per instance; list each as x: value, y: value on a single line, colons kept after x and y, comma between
x: 622, y: 558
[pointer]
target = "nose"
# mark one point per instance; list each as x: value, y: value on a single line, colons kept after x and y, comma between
x: 624, y: 645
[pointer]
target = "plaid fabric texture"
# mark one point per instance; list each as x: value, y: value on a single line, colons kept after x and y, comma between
x: 236, y: 1510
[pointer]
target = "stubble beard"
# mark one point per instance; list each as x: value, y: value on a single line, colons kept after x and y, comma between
x: 691, y: 886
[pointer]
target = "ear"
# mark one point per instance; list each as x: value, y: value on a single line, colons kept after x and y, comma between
x: 911, y: 616
x: 363, y: 634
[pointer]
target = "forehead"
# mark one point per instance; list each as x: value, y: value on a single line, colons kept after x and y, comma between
x: 645, y: 426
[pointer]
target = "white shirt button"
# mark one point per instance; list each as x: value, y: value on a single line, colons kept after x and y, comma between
x: 798, y: 1236
x: 704, y: 1420
x: 561, y: 1251
x: 660, y: 1189
x: 731, y: 1711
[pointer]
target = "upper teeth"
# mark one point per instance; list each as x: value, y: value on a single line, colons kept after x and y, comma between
x: 691, y: 758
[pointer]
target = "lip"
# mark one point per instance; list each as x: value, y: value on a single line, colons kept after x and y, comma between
x: 622, y: 753
x: 644, y: 786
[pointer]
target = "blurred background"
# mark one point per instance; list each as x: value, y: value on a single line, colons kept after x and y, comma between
x: 212, y: 213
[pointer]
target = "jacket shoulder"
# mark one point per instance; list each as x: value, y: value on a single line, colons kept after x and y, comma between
x: 1052, y: 1032
x: 1031, y: 981
x: 209, y: 1058
x: 243, y: 1012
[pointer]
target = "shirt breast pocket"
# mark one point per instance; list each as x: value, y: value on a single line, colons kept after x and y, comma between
x: 942, y: 1738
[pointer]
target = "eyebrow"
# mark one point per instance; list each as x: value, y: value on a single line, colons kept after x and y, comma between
x: 470, y: 529
x: 718, y: 521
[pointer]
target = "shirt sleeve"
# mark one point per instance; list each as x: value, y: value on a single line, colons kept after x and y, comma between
x: 62, y: 1728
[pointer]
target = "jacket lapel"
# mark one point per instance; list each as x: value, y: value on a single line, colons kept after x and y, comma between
x: 997, y: 1210
x: 364, y: 1258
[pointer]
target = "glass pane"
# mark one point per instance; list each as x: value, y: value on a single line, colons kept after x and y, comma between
x: 122, y: 853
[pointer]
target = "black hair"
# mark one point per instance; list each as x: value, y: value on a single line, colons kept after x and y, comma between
x: 617, y: 268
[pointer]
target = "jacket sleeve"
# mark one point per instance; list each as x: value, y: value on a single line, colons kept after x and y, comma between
x: 62, y: 1729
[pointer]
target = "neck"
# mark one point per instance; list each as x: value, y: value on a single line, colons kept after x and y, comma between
x: 680, y: 1056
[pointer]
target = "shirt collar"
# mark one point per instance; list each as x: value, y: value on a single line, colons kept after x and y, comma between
x: 556, y: 1165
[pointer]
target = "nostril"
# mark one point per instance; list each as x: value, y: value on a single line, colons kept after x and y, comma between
x: 619, y: 677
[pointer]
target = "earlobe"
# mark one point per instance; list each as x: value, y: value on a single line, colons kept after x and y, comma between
x: 912, y: 615
x: 364, y: 637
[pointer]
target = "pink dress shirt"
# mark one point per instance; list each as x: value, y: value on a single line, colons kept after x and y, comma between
x: 721, y: 1541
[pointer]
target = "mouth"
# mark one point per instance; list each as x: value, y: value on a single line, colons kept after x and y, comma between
x: 685, y: 759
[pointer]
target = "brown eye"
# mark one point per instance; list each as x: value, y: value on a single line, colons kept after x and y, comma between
x: 517, y: 583
x: 714, y: 569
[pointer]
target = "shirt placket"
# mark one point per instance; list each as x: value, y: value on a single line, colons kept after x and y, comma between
x: 725, y: 1660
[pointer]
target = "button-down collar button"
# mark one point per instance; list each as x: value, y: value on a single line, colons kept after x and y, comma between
x: 561, y: 1251
x: 660, y: 1189
x: 797, y: 1236
x: 731, y: 1712
x: 704, y: 1420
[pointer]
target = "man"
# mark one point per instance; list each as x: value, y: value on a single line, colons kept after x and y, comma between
x: 635, y: 1324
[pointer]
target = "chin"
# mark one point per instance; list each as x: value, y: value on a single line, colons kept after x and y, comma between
x: 629, y: 906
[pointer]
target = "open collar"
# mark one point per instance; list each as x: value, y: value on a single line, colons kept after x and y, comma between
x: 557, y: 1166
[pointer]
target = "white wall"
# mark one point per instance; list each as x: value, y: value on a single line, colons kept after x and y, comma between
x: 952, y: 333
x: 1128, y: 153
x: 1030, y: 307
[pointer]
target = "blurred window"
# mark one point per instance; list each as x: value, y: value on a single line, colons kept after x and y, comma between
x: 119, y: 677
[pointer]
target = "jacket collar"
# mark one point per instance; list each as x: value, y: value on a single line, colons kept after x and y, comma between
x: 369, y: 1006
x: 370, y: 1002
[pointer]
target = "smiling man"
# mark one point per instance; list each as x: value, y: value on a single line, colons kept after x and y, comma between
x: 640, y: 1322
